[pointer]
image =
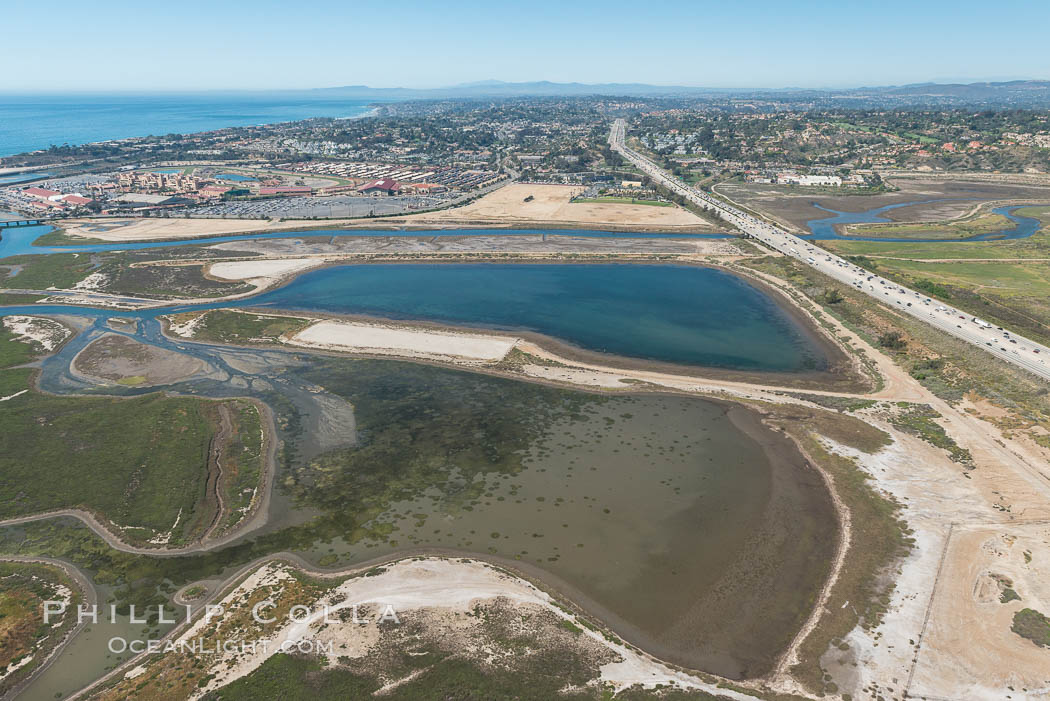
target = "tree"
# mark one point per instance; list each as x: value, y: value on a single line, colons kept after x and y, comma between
x: 892, y: 340
x: 832, y: 296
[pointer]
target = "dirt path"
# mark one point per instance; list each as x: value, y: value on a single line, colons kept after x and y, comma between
x: 216, y: 473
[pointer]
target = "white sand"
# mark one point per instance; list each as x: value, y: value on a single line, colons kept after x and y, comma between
x: 49, y: 334
x: 444, y: 585
x: 251, y: 269
x: 185, y: 329
x: 415, y: 342
x: 92, y: 283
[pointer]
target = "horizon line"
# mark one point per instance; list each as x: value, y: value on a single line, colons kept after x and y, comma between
x: 481, y: 84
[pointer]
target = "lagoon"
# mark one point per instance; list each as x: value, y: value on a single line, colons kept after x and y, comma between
x: 678, y: 314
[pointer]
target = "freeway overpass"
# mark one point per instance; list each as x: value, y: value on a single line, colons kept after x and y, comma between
x: 1008, y: 347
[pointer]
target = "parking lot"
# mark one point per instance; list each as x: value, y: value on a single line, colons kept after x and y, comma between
x: 336, y: 207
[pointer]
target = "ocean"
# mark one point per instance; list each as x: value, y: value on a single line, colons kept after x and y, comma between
x: 31, y: 122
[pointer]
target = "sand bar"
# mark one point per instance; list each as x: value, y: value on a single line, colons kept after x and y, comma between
x: 251, y: 269
x: 413, y: 342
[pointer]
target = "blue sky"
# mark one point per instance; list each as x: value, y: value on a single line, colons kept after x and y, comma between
x: 276, y: 44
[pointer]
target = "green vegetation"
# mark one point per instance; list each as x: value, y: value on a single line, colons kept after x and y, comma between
x: 288, y: 677
x: 516, y: 359
x: 920, y: 420
x: 140, y: 462
x: 966, y: 228
x: 194, y: 593
x: 861, y: 594
x: 841, y: 404
x: 1008, y: 595
x: 414, y: 424
x: 950, y: 368
x: 58, y: 237
x: 878, y: 536
x: 164, y: 281
x: 1040, y: 212
x: 1004, y: 282
x: 243, y: 461
x: 24, y: 587
x: 40, y: 272
x: 284, y: 676
x: 14, y: 351
x: 892, y: 340
x: 1032, y: 625
x: 14, y: 299
x: 123, y: 272
x: 832, y: 296
x: 410, y: 422
x: 882, y: 252
x: 228, y: 326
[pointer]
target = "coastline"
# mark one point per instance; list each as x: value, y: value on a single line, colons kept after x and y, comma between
x: 167, y: 107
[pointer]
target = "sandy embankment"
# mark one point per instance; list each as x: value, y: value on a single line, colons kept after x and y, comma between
x: 122, y: 230
x: 261, y: 269
x: 946, y: 633
x: 432, y: 589
x: 402, y: 341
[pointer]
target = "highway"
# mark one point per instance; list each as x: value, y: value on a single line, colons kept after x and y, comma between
x: 1019, y: 351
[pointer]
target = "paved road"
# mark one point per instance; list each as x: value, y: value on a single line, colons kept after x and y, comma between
x: 1004, y: 345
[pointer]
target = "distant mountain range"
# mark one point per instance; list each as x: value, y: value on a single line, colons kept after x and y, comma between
x: 1028, y: 93
x: 499, y: 88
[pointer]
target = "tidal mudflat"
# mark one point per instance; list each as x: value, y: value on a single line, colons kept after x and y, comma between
x: 684, y: 524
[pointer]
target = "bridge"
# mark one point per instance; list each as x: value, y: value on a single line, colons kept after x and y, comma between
x: 19, y: 222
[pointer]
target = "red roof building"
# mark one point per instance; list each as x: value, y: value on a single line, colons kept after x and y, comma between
x: 40, y: 192
x: 46, y: 204
x: 77, y: 200
x: 384, y: 186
